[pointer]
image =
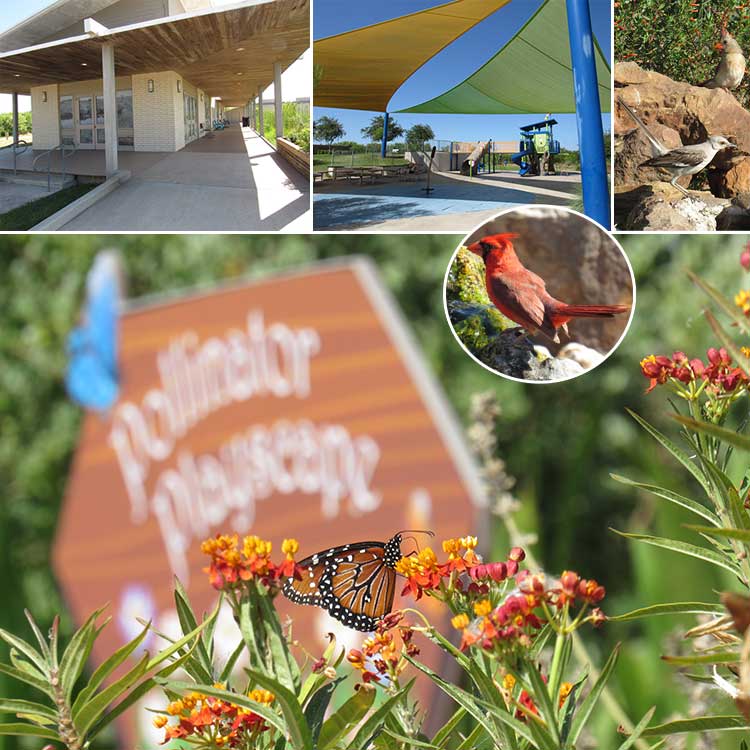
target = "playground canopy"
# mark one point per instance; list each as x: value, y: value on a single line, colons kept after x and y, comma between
x: 531, y: 73
x: 362, y: 69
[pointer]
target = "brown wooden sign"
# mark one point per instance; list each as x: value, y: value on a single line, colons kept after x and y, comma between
x: 296, y: 406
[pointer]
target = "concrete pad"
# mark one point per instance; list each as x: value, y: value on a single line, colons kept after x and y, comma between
x: 13, y: 195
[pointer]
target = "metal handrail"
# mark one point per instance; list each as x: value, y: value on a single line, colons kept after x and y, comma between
x: 19, y: 147
x: 64, y: 154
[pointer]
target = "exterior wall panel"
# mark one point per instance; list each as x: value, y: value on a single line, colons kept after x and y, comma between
x: 45, y: 117
x: 155, y: 113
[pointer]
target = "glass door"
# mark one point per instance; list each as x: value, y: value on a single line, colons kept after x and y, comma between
x: 191, y: 118
x: 85, y: 111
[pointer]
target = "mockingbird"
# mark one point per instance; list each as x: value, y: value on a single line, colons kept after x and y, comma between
x: 683, y: 160
x: 731, y: 68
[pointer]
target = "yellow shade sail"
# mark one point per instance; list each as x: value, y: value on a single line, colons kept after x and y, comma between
x: 362, y: 69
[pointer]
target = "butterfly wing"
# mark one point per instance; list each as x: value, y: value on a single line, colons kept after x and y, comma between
x: 91, y: 378
x: 353, y: 582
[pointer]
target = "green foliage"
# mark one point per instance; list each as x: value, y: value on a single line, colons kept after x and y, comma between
x: 374, y: 131
x: 6, y: 123
x: 677, y: 37
x: 296, y: 119
x: 327, y: 129
x: 418, y: 134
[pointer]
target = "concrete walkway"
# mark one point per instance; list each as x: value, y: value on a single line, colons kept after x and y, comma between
x: 231, y: 180
x: 13, y: 195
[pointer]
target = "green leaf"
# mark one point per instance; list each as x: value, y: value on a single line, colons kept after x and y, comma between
x: 134, y: 696
x: 444, y: 733
x: 672, y: 497
x: 28, y: 678
x: 315, y: 711
x: 91, y: 711
x: 372, y: 725
x: 30, y: 730
x: 741, y: 534
x: 43, y: 645
x: 28, y: 650
x: 290, y: 708
x: 8, y: 706
x: 588, y: 703
x: 700, y: 724
x: 637, y: 730
x: 678, y: 453
x: 284, y: 665
x: 226, y: 673
x: 344, y: 718
x: 188, y: 623
x: 722, y: 433
x: 252, y: 639
x: 683, y: 548
x: 670, y: 608
x: 715, y: 657
x: 540, y: 695
x: 474, y: 740
x: 724, y: 304
x: 408, y: 741
x: 77, y: 653
x: 181, y: 688
x: 106, y: 669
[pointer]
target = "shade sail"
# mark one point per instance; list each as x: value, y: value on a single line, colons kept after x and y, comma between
x: 532, y: 73
x: 362, y: 69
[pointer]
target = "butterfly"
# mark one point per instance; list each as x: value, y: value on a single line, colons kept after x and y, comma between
x: 92, y: 377
x: 355, y: 582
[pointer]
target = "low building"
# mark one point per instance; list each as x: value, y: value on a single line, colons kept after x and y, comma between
x: 146, y: 75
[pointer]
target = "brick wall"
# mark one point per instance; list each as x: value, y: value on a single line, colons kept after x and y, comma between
x: 155, y: 114
x: 45, y: 116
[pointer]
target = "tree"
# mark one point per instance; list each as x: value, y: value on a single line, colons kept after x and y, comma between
x: 416, y: 135
x: 374, y: 131
x: 327, y: 129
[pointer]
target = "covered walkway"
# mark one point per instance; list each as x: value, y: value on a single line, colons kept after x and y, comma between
x: 231, y: 180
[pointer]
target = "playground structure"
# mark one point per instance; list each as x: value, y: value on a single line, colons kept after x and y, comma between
x: 537, y: 149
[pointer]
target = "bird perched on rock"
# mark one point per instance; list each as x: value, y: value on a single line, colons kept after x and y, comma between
x: 680, y: 161
x: 731, y: 68
x: 522, y: 296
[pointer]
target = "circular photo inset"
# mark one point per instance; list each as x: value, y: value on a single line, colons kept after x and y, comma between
x: 539, y: 294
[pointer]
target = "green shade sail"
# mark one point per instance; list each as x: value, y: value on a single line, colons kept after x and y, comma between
x: 532, y: 73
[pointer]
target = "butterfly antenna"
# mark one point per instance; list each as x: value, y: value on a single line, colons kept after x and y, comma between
x: 417, y: 531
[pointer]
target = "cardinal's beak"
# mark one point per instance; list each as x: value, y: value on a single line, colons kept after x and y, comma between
x: 719, y: 46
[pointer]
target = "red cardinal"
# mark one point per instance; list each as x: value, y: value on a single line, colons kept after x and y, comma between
x: 522, y: 296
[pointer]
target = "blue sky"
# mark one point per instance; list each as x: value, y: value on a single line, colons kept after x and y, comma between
x: 451, y: 66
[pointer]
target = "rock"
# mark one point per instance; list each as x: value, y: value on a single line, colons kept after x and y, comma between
x: 593, y: 271
x: 514, y: 354
x: 735, y: 217
x: 661, y: 208
x: 692, y: 113
x: 583, y: 355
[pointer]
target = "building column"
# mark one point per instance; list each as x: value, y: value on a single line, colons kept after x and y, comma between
x: 277, y: 100
x: 110, y: 108
x: 15, y: 129
x: 261, y: 129
x: 384, y: 142
x: 252, y: 112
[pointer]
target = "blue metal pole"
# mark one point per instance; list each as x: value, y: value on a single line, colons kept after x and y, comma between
x: 384, y: 142
x: 588, y: 113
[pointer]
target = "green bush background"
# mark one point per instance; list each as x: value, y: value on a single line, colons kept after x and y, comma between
x: 6, y: 123
x: 677, y: 37
x: 560, y: 441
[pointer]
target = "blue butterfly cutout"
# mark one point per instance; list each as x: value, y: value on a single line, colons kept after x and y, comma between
x: 92, y: 377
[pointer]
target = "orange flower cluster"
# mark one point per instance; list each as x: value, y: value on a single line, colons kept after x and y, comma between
x: 212, y: 722
x: 424, y: 573
x: 525, y: 702
x: 231, y: 564
x: 515, y: 622
x: 382, y: 654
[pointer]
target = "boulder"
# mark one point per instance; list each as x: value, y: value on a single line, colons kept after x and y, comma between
x: 661, y: 208
x: 692, y: 113
x: 736, y: 216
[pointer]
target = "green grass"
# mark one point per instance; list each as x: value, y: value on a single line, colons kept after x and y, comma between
x: 27, y: 216
x: 322, y: 161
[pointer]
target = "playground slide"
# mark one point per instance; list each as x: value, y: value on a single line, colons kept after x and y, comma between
x: 518, y: 158
x: 469, y: 165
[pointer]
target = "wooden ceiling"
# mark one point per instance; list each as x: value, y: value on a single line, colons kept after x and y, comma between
x: 229, y: 54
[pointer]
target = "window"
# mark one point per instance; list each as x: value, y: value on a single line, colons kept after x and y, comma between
x: 125, y: 110
x: 66, y: 112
